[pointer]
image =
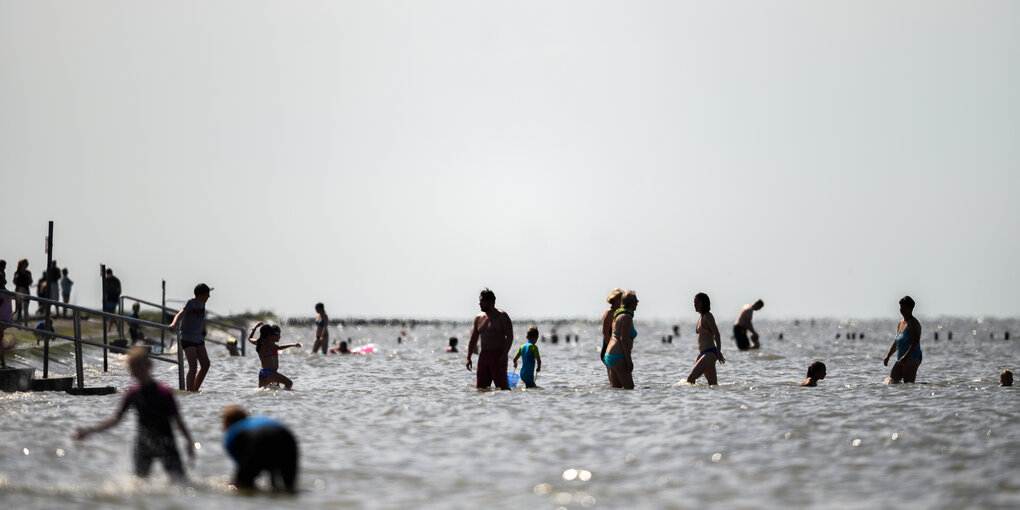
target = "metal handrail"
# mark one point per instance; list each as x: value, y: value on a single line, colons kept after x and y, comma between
x: 53, y: 334
x: 241, y: 329
x: 78, y: 341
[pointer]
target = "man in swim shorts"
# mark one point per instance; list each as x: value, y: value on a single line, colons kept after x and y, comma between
x: 257, y: 444
x: 192, y: 321
x: 495, y: 332
x: 743, y: 324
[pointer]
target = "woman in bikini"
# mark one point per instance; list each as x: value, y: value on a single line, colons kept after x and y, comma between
x: 268, y: 350
x: 906, y: 345
x: 709, y: 342
x: 321, y: 329
x: 617, y: 356
x: 607, y: 330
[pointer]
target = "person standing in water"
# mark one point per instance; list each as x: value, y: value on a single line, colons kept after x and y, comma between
x: 529, y: 351
x: 815, y: 373
x: 157, y: 410
x: 743, y: 324
x: 906, y: 345
x: 192, y: 321
x: 618, y: 352
x: 321, y: 329
x: 607, y: 331
x: 709, y: 342
x: 269, y: 354
x: 494, y: 331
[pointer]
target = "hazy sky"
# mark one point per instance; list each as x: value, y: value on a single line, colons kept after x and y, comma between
x: 392, y: 158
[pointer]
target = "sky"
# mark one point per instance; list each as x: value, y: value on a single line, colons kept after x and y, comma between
x: 392, y: 158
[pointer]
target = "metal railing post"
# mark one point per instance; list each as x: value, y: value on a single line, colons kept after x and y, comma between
x: 102, y: 274
x: 79, y: 364
x: 120, y: 324
x: 162, y: 320
x: 180, y: 366
x: 49, y: 294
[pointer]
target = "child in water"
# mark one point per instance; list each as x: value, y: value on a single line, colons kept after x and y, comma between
x: 268, y: 350
x: 340, y: 350
x: 157, y: 409
x: 529, y: 351
x: 815, y: 373
x: 1006, y: 378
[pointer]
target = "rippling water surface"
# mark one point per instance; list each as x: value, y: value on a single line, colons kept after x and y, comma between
x: 404, y: 428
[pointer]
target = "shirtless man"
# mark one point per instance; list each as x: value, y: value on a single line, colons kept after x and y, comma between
x: 743, y: 325
x: 496, y: 331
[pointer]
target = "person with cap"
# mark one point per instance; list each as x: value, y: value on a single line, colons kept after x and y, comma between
x: 192, y: 321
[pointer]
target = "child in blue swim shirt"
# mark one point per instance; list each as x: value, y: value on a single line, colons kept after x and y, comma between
x: 529, y: 351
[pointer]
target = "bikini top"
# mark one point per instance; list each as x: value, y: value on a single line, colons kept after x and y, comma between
x: 320, y: 323
x: 275, y: 353
x: 625, y: 311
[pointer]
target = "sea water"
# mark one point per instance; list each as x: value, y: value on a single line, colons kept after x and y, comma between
x: 405, y: 428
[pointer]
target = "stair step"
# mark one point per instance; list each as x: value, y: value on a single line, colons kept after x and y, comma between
x: 52, y: 384
x: 16, y: 379
x: 98, y: 390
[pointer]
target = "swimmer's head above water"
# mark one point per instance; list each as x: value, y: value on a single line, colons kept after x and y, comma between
x: 1006, y: 378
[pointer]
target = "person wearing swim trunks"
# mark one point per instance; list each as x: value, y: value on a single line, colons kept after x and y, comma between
x: 530, y: 355
x: 192, y: 321
x: 157, y: 409
x: 607, y: 331
x: 815, y: 373
x: 321, y: 329
x: 906, y: 345
x: 257, y: 444
x: 269, y: 354
x: 618, y: 352
x: 743, y: 324
x: 709, y: 342
x: 493, y: 331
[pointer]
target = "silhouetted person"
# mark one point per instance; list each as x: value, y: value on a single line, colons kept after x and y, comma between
x: 743, y: 324
x: 494, y: 333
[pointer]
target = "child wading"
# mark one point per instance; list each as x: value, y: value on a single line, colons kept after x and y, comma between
x: 529, y: 351
x: 156, y: 410
x: 268, y: 351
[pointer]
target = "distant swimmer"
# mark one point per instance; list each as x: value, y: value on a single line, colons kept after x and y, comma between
x: 257, y: 444
x: 743, y: 324
x: 618, y: 352
x: 493, y: 331
x: 815, y: 373
x: 906, y: 345
x: 607, y: 331
x: 1006, y: 378
x: 341, y: 349
x: 529, y: 355
x: 453, y: 345
x: 192, y: 321
x: 321, y: 329
x: 157, y: 411
x: 269, y: 354
x: 709, y: 342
